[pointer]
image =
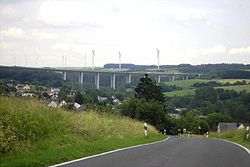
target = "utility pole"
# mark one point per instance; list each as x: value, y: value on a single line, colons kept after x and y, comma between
x: 158, y: 58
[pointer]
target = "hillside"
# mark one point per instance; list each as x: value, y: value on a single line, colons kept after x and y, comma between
x: 31, y: 134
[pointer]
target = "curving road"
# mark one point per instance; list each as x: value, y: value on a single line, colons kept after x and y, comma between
x: 175, y: 152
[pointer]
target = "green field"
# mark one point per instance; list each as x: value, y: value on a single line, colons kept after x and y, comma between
x: 189, y: 90
x: 31, y: 134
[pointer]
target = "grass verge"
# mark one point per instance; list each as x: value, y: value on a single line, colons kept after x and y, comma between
x: 32, y: 134
x: 234, y: 136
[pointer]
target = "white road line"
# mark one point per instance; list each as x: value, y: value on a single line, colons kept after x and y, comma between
x: 246, y: 149
x: 101, y: 154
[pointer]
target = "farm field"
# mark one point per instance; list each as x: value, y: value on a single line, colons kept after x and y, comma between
x: 189, y: 90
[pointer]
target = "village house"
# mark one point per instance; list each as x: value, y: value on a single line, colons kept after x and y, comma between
x: 222, y: 127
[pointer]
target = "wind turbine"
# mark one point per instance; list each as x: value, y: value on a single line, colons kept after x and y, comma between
x: 85, y: 60
x: 93, y: 59
x: 158, y: 58
x: 120, y: 56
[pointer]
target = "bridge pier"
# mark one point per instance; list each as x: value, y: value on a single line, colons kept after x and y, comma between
x: 159, y: 79
x: 97, y: 80
x: 128, y: 79
x: 64, y: 75
x: 173, y: 78
x: 113, y: 81
x: 187, y: 77
x: 81, y: 77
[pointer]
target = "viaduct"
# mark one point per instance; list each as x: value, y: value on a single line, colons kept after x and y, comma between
x: 97, y: 72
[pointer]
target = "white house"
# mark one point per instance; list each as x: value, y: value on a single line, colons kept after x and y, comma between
x: 63, y: 103
x: 53, y: 104
x: 26, y: 87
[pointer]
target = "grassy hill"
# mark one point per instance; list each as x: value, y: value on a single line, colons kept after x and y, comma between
x: 31, y: 134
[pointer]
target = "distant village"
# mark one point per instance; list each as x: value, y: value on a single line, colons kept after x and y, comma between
x: 50, y: 95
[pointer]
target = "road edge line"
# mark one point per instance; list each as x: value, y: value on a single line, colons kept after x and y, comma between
x: 105, y: 153
x: 246, y: 149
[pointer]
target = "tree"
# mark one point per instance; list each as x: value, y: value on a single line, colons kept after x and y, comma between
x: 79, y: 98
x: 148, y: 90
x: 202, y: 124
x: 147, y: 105
x: 214, y: 118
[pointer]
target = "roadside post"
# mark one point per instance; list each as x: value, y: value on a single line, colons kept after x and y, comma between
x: 165, y: 132
x: 207, y: 134
x: 188, y: 134
x: 247, y: 129
x: 179, y: 132
x: 145, y: 129
x: 199, y: 129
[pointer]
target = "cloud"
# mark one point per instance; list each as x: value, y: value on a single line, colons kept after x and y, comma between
x: 185, y: 15
x: 13, y: 32
x: 71, y: 13
x: 44, y: 35
x: 218, y: 49
x: 239, y: 51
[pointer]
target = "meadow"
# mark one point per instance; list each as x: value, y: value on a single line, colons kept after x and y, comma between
x: 188, y: 90
x: 32, y: 134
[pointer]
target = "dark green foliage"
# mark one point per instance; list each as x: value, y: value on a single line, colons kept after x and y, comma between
x: 36, y: 77
x: 79, y: 98
x: 151, y: 111
x: 213, y: 120
x: 148, y: 90
x: 169, y: 88
x: 204, y: 127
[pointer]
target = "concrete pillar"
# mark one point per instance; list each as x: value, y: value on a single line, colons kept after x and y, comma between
x: 113, y: 81
x: 64, y: 75
x: 97, y: 80
x: 173, y: 78
x: 187, y: 77
x: 128, y: 78
x: 170, y: 78
x: 159, y: 79
x: 183, y: 77
x: 81, y: 77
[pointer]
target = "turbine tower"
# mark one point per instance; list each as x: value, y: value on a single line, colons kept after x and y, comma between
x: 93, y: 59
x: 120, y: 57
x: 85, y: 60
x: 158, y: 58
x: 62, y: 61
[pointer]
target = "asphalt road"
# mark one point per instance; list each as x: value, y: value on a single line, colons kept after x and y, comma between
x: 174, y: 152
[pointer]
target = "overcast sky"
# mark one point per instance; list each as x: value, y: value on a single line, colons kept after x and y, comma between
x: 185, y: 31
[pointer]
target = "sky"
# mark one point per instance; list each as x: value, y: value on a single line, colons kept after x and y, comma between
x: 184, y: 31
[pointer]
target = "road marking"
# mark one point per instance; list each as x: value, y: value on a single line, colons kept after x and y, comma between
x: 247, y: 150
x: 109, y: 152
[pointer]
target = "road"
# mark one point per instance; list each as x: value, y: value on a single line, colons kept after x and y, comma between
x: 175, y: 152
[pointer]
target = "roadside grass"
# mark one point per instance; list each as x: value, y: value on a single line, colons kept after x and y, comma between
x: 32, y: 134
x: 236, y: 136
